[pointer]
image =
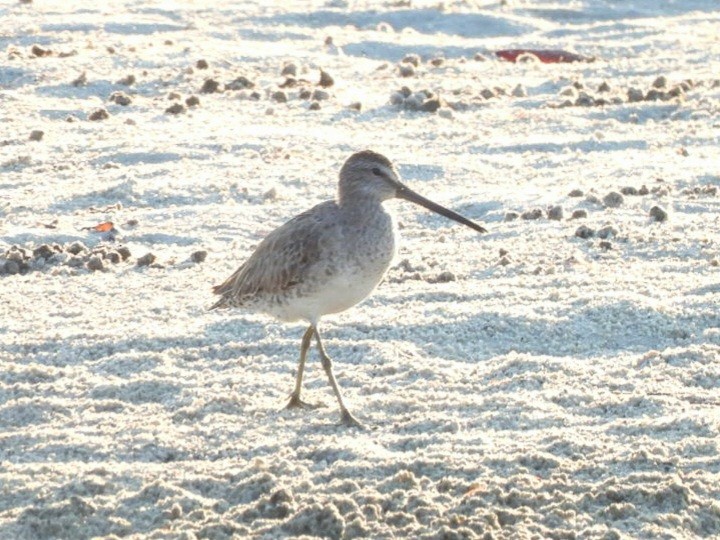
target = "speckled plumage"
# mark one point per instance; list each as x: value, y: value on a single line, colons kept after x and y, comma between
x: 328, y: 258
x: 321, y: 261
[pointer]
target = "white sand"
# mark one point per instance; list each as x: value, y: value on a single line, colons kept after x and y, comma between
x: 573, y: 392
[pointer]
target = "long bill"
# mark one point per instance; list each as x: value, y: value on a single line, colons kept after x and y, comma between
x: 403, y: 192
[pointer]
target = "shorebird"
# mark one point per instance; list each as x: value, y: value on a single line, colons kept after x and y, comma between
x: 327, y: 259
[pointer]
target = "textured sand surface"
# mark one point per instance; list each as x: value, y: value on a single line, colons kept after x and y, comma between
x: 527, y: 383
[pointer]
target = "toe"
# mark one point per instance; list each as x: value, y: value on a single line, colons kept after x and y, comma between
x: 297, y: 403
x: 347, y: 419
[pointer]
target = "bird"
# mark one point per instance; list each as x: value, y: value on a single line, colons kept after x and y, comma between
x: 327, y: 259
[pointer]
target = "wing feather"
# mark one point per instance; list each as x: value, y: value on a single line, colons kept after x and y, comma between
x: 281, y: 261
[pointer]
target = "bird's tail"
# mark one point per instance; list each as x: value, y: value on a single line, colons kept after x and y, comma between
x: 218, y: 289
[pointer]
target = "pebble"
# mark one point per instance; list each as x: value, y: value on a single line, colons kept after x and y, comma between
x: 356, y: 106
x: 128, y: 80
x: 413, y: 59
x: 658, y: 213
x: 98, y: 114
x: 192, y: 101
x: 289, y: 70
x: 606, y: 245
x: 431, y: 104
x: 314, y: 106
x: 210, y: 86
x: 17, y: 254
x: 95, y: 263
x: 535, y: 213
x: 555, y: 213
x: 76, y: 248
x: 279, y: 96
x: 36, y: 135
x: 175, y: 108
x: 406, y: 70
x: 37, y: 50
x: 240, y: 83
x: 676, y: 91
x: 635, y: 94
x: 201, y: 64
x: 584, y: 100
x: 11, y: 267
x: 656, y: 95
x: 583, y: 231
x: 112, y: 256
x: 604, y: 87
x: 326, y: 81
x: 488, y: 93
x: 121, y: 98
x: 75, y: 262
x: 576, y: 193
x: 438, y: 61
x: 643, y: 190
x: 660, y: 82
x: 289, y: 82
x: 504, y: 261
x: 174, y: 96
x: 593, y: 199
x: 579, y: 214
x: 519, y: 91
x: 199, y: 256
x: 629, y: 190
x: 44, y: 251
x: 607, y: 232
x: 396, y: 98
x: 80, y: 80
x: 479, y: 57
x: 124, y: 252
x: 146, y: 260
x: 444, y: 277
x: 613, y: 200
x: 511, y: 216
x: 320, y: 95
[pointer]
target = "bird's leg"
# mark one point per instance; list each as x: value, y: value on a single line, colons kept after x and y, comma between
x: 346, y: 417
x: 295, y: 400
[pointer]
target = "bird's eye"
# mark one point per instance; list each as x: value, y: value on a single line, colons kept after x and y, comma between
x: 376, y: 171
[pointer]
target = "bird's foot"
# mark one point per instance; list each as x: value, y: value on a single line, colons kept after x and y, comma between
x: 348, y: 420
x: 297, y: 403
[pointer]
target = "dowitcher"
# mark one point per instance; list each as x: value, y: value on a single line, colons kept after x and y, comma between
x: 328, y: 258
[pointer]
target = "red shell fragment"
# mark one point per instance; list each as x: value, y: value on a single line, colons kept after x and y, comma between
x: 546, y: 56
x: 105, y: 226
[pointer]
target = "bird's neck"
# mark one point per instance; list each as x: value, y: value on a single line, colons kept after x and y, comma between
x: 362, y: 201
x: 359, y: 208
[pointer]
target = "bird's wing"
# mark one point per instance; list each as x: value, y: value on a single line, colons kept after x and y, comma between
x: 282, y: 259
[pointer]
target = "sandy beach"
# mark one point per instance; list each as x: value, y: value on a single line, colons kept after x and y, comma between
x: 557, y: 377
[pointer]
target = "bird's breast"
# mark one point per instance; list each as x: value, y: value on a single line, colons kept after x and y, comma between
x: 370, y: 247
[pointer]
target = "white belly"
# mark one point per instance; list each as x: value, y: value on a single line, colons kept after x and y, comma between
x: 339, y: 293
